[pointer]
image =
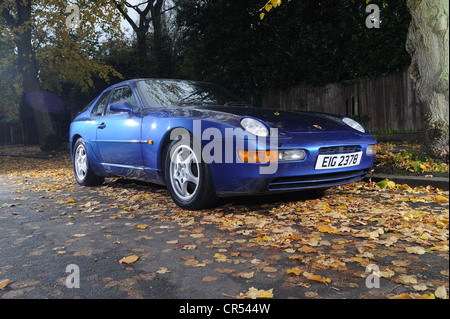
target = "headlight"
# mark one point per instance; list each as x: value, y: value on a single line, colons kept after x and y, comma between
x: 353, y: 124
x: 254, y: 126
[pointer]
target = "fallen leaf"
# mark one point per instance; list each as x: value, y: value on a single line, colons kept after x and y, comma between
x: 224, y: 271
x: 407, y: 279
x: 307, y: 249
x: 424, y: 236
x: 163, y: 270
x: 386, y: 183
x: 188, y: 223
x: 440, y: 292
x: 269, y: 269
x: 254, y: 293
x: 420, y: 287
x: 413, y: 296
x: 220, y: 257
x: 129, y: 260
x: 209, y: 278
x: 192, y: 262
x: 386, y: 274
x: 327, y: 229
x: 441, y: 198
x: 415, y: 250
x: 296, y: 271
x: 402, y: 296
x: 246, y: 275
x: 401, y: 263
x: 3, y: 284
x: 376, y: 233
x: 319, y: 279
x: 424, y: 296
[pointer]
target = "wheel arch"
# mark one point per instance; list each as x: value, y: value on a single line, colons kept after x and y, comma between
x: 74, y: 140
x: 165, y: 142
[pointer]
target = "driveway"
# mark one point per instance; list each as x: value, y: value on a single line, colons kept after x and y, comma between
x: 127, y: 239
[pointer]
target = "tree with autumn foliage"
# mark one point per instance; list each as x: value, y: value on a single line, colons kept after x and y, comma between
x: 50, y: 52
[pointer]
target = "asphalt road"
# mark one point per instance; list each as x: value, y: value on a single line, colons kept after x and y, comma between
x: 294, y: 246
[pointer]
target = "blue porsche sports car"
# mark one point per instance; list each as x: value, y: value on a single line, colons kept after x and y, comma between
x: 203, y: 143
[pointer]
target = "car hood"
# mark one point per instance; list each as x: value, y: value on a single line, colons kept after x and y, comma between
x: 289, y: 121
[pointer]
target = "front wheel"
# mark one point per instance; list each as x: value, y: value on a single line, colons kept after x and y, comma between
x: 187, y: 177
x: 83, y: 171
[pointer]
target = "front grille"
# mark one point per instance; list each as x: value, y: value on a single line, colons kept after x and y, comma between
x: 317, y: 180
x: 339, y: 149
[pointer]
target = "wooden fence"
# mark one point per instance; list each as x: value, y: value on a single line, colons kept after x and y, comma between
x: 389, y: 101
x: 11, y: 133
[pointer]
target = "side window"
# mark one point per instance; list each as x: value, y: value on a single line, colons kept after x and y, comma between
x: 100, y: 107
x: 123, y: 94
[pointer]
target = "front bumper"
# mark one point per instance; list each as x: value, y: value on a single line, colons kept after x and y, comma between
x: 232, y: 179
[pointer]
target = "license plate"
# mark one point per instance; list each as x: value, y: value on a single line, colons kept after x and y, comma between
x: 338, y: 160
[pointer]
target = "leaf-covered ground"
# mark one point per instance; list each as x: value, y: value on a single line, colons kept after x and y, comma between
x: 286, y: 246
x: 407, y: 158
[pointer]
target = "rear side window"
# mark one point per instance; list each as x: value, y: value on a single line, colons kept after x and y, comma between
x: 99, y: 108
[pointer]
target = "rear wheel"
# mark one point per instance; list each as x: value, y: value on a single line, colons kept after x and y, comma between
x: 83, y: 171
x: 187, y: 177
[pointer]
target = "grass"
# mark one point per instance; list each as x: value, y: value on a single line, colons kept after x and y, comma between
x: 408, y: 158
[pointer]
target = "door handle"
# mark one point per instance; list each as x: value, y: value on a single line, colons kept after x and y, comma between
x: 101, y: 125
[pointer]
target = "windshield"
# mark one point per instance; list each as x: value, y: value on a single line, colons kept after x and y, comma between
x: 174, y: 93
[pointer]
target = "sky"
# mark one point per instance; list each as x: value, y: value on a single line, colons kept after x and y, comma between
x: 124, y: 24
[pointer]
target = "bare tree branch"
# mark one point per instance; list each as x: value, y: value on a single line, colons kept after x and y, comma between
x: 125, y: 15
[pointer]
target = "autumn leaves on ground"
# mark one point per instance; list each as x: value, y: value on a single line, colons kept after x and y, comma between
x: 305, y: 246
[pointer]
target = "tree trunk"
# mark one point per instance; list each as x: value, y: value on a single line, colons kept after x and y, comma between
x: 160, y: 40
x: 32, y: 95
x: 427, y: 43
x: 142, y: 53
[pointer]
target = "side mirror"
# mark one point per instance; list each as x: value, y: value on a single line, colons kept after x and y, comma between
x: 121, y: 107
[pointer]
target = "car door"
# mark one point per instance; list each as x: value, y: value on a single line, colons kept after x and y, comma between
x: 119, y: 133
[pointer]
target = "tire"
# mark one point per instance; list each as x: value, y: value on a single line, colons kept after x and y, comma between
x: 81, y: 167
x: 187, y: 177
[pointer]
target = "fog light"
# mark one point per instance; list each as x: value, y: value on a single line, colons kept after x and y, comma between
x: 291, y: 155
x: 371, y: 149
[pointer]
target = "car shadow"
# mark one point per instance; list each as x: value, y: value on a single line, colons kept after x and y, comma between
x: 258, y: 200
x: 250, y: 202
